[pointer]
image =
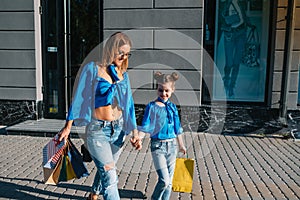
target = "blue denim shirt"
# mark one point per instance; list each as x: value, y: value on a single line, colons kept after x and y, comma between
x: 155, y: 122
x: 83, y: 102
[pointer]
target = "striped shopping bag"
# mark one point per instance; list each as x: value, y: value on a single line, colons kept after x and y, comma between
x: 52, y: 151
x: 69, y: 165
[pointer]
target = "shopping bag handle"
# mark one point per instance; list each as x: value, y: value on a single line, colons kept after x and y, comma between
x: 180, y: 155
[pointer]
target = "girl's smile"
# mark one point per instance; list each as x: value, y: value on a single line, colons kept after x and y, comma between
x: 165, y: 91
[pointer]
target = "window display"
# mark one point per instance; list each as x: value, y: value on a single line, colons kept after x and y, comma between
x: 241, y: 49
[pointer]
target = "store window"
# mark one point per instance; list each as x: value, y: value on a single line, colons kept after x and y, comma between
x: 71, y: 30
x: 240, y: 50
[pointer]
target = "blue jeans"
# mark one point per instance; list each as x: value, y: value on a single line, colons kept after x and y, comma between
x: 105, y: 140
x: 164, y: 158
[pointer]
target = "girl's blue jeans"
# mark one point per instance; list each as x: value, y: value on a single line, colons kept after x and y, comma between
x: 105, y: 140
x: 164, y: 158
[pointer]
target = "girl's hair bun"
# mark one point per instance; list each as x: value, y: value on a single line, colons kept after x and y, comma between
x: 157, y: 75
x: 164, y: 78
x: 175, y: 76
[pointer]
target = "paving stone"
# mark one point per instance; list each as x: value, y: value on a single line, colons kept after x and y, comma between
x: 152, y: 180
x: 253, y: 191
x: 122, y: 179
x: 230, y: 190
x: 131, y: 181
x: 227, y: 166
x: 240, y: 188
x: 197, y: 189
x: 219, y: 191
x: 174, y: 195
x: 264, y: 190
x: 276, y: 192
x: 185, y: 195
x: 290, y: 191
x: 207, y: 189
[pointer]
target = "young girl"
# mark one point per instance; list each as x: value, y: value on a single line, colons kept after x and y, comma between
x: 161, y: 121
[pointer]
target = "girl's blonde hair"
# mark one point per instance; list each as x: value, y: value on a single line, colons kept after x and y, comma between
x: 165, y: 78
x: 111, y: 49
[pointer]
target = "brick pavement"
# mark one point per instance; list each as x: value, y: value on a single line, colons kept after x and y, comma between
x: 227, y: 167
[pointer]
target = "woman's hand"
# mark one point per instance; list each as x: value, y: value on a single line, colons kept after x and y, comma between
x: 64, y: 133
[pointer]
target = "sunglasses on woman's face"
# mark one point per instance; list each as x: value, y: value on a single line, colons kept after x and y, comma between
x: 122, y: 55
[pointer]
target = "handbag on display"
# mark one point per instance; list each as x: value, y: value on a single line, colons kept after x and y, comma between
x: 231, y: 19
x: 251, y: 55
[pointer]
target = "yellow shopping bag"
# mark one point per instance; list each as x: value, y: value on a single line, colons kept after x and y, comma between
x: 66, y: 171
x: 183, y: 175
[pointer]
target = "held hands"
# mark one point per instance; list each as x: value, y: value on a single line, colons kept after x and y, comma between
x: 136, y: 141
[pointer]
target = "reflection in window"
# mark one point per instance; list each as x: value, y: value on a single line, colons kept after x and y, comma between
x: 241, y: 50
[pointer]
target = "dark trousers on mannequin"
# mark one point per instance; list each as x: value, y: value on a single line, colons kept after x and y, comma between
x: 234, y: 42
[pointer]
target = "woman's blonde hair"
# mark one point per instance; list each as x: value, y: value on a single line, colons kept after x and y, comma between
x: 111, y: 49
x: 165, y: 78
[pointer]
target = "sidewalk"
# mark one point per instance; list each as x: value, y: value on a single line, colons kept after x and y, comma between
x: 226, y: 167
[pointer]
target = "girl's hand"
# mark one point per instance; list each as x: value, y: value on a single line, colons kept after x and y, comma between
x: 182, y: 149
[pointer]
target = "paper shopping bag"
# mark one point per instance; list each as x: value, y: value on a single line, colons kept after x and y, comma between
x: 69, y: 165
x: 77, y: 162
x: 51, y: 176
x: 183, y: 175
x: 63, y: 171
x: 52, y: 151
x: 66, y: 171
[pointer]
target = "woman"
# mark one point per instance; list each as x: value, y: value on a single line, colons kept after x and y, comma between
x: 103, y: 103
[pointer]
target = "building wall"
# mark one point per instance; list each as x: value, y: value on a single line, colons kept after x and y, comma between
x: 20, y: 70
x: 279, y: 55
x: 296, y: 53
x: 154, y: 26
x: 17, y: 50
x: 167, y: 36
x: 158, y: 29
